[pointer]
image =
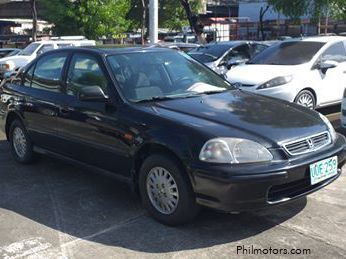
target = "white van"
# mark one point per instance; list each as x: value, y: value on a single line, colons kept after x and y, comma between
x: 13, y: 63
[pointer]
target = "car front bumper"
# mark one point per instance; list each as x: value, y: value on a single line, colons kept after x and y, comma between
x: 243, y: 188
x: 284, y: 92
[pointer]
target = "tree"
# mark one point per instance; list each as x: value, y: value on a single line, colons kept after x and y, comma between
x: 194, y: 21
x: 92, y: 18
x: 338, y: 9
x: 313, y: 8
x: 172, y: 14
x: 34, y: 19
x: 291, y: 8
x: 261, y: 16
x: 137, y: 14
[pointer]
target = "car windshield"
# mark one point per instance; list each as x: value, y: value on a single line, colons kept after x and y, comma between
x: 159, y: 75
x: 13, y: 53
x: 209, y: 53
x: 29, y: 49
x: 288, y: 53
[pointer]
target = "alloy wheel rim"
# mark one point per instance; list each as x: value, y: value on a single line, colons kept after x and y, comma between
x: 306, y: 100
x: 162, y: 190
x: 19, y: 142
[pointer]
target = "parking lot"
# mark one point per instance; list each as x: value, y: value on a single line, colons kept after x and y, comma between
x: 55, y: 210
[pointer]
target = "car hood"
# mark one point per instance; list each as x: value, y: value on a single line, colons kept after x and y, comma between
x: 258, y: 74
x: 17, y: 59
x: 261, y: 117
x: 210, y: 64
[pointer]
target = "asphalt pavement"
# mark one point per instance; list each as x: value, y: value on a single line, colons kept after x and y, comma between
x: 51, y: 209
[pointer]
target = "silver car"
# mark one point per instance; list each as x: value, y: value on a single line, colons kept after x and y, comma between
x: 221, y: 56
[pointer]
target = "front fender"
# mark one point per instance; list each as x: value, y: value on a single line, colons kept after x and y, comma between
x: 171, y: 141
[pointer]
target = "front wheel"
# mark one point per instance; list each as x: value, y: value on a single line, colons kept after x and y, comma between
x: 166, y: 191
x: 307, y: 99
x: 21, y: 145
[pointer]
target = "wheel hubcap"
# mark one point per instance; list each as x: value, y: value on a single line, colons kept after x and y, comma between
x: 19, y: 142
x: 306, y: 100
x: 162, y: 190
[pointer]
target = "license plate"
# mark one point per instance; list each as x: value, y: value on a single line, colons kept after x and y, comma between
x: 323, y: 170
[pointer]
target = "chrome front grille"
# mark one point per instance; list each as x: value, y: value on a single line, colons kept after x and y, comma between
x: 309, y: 144
x: 239, y: 84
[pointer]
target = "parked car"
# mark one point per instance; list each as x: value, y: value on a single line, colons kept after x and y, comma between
x: 13, y: 63
x: 174, y: 39
x: 7, y: 52
x: 186, y: 47
x: 221, y: 56
x: 171, y: 128
x: 343, y: 111
x: 310, y: 72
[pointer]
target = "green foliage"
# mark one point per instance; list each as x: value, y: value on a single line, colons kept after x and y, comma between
x: 290, y: 8
x: 173, y: 16
x: 92, y: 18
x: 171, y: 13
x: 338, y: 9
x: 312, y: 8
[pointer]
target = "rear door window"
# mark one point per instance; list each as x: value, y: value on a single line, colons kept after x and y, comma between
x: 48, y: 72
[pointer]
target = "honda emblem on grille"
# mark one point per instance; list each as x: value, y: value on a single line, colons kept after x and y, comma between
x: 310, y: 143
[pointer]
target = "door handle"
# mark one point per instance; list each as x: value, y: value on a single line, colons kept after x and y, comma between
x: 65, y: 109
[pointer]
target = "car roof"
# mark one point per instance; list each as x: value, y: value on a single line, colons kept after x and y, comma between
x: 324, y: 39
x: 60, y: 41
x: 111, y: 51
x: 227, y: 43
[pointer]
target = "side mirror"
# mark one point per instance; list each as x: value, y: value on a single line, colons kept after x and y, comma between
x: 92, y: 93
x: 325, y: 65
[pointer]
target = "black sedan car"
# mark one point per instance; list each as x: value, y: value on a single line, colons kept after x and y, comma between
x: 171, y: 128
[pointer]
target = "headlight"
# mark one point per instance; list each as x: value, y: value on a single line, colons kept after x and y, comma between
x: 329, y: 125
x: 234, y: 151
x: 6, y: 66
x: 281, y: 80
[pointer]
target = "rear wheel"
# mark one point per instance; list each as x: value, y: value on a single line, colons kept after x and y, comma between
x: 307, y: 99
x: 166, y: 191
x: 21, y: 145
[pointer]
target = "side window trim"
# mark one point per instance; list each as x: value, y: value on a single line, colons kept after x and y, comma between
x: 26, y: 72
x: 64, y: 72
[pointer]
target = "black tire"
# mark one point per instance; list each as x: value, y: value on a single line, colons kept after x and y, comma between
x: 307, y: 94
x: 186, y: 208
x: 27, y: 154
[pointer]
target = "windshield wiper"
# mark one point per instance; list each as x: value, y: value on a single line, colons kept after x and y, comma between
x: 214, y: 91
x: 155, y: 98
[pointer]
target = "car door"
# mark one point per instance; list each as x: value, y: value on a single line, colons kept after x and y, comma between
x: 43, y: 90
x: 91, y: 131
x: 330, y: 84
